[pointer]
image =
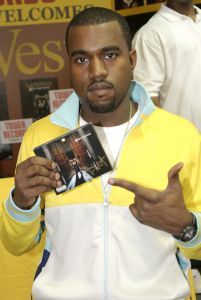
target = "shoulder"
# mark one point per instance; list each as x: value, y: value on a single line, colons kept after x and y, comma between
x: 42, y: 131
x: 155, y: 29
x: 41, y: 126
x: 175, y: 125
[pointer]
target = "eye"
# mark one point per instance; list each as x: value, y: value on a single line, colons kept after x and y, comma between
x: 81, y: 60
x: 110, y: 55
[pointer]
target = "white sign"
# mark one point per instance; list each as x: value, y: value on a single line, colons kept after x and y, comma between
x: 12, y: 131
x: 58, y: 97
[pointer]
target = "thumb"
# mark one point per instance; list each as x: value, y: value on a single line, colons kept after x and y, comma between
x: 173, y: 175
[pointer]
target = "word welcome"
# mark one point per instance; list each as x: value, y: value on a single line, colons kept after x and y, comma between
x: 39, y: 14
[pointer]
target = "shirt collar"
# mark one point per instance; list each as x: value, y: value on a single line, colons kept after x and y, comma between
x: 67, y: 115
x: 174, y: 16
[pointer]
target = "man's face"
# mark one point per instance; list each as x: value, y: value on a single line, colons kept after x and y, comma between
x: 100, y: 65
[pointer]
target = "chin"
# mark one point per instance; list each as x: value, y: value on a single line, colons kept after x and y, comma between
x: 102, y: 107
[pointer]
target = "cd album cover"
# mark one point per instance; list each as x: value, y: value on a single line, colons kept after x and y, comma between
x: 79, y: 156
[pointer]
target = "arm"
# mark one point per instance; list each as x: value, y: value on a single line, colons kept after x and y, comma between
x: 150, y: 66
x: 20, y: 230
x: 20, y: 223
x: 192, y: 196
x: 156, y: 101
x: 171, y: 210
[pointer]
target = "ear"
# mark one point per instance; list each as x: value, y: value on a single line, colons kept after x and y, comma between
x: 133, y: 58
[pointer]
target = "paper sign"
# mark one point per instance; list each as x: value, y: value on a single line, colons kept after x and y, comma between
x: 12, y: 131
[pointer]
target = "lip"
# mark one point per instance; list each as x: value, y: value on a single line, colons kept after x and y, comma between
x: 99, y: 86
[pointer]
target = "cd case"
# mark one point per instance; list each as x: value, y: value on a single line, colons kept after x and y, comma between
x: 79, y: 157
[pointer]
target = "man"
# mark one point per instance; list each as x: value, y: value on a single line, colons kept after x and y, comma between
x: 168, y: 58
x: 98, y: 248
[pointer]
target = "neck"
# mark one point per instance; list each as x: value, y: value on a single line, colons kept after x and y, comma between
x: 119, y: 116
x: 186, y: 9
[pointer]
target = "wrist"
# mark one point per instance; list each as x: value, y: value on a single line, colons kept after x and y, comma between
x: 21, y: 206
x: 20, y: 214
x: 189, y: 231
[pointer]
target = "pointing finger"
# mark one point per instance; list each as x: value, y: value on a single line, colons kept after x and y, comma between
x: 130, y: 186
x: 139, y: 190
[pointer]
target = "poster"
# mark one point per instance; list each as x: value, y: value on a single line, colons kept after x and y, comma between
x: 35, y: 97
x: 12, y: 131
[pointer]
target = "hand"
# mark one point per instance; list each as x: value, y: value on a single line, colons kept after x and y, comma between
x: 163, y: 210
x: 34, y: 176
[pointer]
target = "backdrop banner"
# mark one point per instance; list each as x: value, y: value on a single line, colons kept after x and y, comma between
x: 29, y: 12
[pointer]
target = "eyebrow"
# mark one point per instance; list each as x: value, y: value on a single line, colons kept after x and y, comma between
x: 78, y: 52
x: 111, y: 48
x: 104, y: 49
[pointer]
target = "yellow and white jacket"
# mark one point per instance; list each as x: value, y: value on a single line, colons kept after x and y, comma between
x: 95, y: 248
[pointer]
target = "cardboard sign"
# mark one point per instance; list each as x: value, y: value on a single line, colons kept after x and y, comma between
x: 12, y: 131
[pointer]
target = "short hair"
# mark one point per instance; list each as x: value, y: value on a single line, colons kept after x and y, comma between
x: 99, y: 15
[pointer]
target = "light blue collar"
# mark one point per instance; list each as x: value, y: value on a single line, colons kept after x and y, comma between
x: 67, y: 115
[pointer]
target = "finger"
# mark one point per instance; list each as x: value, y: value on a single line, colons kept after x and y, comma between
x: 39, y: 170
x: 173, y: 175
x: 36, y: 160
x: 35, y: 176
x: 133, y: 210
x: 42, y: 181
x: 31, y: 194
x: 34, y: 182
x: 130, y: 186
x: 135, y: 188
x: 35, y: 185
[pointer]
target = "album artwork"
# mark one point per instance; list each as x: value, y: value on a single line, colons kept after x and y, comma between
x: 35, y: 97
x: 79, y: 157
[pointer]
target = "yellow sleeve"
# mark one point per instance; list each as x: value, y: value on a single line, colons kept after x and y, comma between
x: 192, y: 195
x: 21, y: 230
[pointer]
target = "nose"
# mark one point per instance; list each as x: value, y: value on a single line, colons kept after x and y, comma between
x: 97, y: 69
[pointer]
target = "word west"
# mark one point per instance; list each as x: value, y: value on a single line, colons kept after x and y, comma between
x: 25, y: 50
